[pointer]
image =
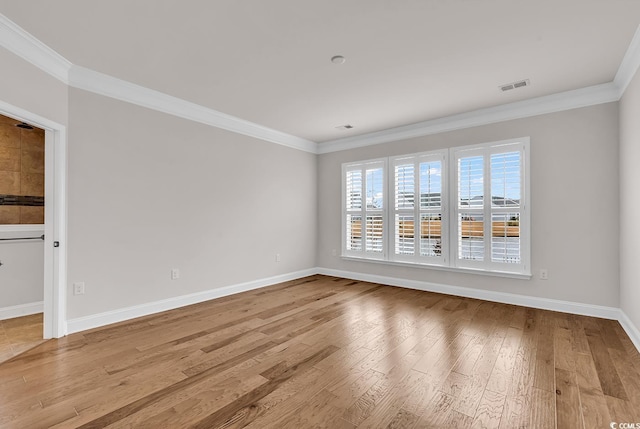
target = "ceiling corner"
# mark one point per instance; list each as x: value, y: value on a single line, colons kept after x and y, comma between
x: 630, y: 64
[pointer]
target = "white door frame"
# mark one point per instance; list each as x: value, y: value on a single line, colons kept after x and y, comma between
x: 55, y: 218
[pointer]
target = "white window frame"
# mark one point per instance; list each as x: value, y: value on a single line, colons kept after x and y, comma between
x: 364, y: 211
x: 416, y: 211
x: 450, y: 210
x: 486, y: 150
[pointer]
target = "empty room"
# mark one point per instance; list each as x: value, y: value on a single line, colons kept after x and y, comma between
x: 320, y: 214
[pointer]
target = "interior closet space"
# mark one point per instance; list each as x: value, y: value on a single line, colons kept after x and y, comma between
x: 22, y: 187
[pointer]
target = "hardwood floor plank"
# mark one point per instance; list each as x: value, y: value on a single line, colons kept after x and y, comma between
x: 318, y: 412
x: 567, y: 400
x: 437, y: 411
x: 630, y: 350
x: 365, y: 404
x: 502, y: 373
x: 620, y: 410
x: 609, y: 378
x: 283, y: 401
x: 472, y: 393
x: 345, y: 390
x: 455, y: 383
x: 276, y: 376
x: 520, y: 391
x: 489, y: 410
x: 629, y: 377
x: 594, y: 405
x: 563, y: 349
x: 543, y: 409
x: 609, y: 334
x: 392, y: 402
x: 403, y: 420
x: 329, y: 352
x: 152, y: 398
x: 580, y: 342
x: 187, y: 406
x: 456, y: 419
x: 465, y: 364
x: 545, y: 365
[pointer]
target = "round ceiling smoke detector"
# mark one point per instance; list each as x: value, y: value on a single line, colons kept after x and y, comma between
x: 338, y: 59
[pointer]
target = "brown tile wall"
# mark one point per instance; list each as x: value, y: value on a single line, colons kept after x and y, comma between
x: 21, y: 171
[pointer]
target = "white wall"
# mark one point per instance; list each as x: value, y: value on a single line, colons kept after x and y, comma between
x: 574, y: 219
x: 149, y: 192
x: 629, y: 201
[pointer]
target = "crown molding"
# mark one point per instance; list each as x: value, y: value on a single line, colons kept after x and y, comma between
x: 568, y: 100
x: 21, y: 43
x: 109, y: 86
x: 629, y: 65
x: 18, y: 41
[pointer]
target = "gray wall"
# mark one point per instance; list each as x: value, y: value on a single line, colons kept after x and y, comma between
x: 574, y: 196
x: 149, y: 192
x: 22, y: 270
x: 629, y: 202
x: 29, y: 88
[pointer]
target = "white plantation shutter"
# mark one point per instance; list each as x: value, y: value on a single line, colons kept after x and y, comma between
x: 490, y: 208
x: 433, y: 220
x: 404, y: 207
x: 364, y: 209
x: 354, y: 210
x: 462, y: 208
x: 418, y: 182
x: 470, y: 203
x: 505, y: 207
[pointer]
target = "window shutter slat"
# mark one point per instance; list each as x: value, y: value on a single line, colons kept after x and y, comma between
x: 354, y: 189
x: 471, y: 182
x: 405, y: 235
x: 404, y: 186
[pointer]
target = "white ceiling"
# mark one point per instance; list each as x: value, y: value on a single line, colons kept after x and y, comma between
x: 407, y: 60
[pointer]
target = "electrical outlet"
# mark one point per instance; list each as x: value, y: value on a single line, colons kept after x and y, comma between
x: 78, y: 288
x: 278, y: 258
x: 175, y: 274
x: 544, y: 274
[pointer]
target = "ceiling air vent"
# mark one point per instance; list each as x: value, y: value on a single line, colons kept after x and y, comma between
x: 514, y: 85
x: 344, y: 127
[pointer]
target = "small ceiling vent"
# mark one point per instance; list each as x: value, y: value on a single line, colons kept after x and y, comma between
x: 514, y: 85
x: 344, y: 127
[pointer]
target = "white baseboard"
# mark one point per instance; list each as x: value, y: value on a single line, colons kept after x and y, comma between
x: 21, y: 310
x: 120, y: 315
x: 632, y: 330
x: 502, y: 297
x: 603, y: 312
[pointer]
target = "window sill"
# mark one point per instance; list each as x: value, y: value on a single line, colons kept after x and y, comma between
x: 441, y: 268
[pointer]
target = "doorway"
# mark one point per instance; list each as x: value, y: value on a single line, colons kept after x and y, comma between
x: 53, y: 239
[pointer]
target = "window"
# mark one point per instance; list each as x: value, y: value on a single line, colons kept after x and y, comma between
x: 418, y: 221
x: 364, y: 222
x: 491, y: 222
x: 463, y: 208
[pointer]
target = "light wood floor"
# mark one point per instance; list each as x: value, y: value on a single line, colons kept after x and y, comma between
x: 334, y: 353
x: 19, y: 334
